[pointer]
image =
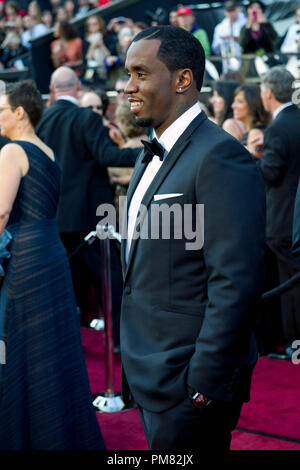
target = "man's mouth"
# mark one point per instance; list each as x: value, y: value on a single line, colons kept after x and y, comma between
x: 135, y: 105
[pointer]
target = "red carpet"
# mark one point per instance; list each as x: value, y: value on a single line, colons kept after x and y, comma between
x: 270, y: 421
x: 245, y: 441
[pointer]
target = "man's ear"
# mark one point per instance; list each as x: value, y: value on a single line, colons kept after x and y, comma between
x: 270, y: 94
x: 184, y: 80
x: 51, y: 98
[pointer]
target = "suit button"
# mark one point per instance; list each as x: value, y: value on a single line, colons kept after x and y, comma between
x: 127, y: 290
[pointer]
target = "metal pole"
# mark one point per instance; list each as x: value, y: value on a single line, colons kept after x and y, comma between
x: 108, y: 401
x: 106, y: 296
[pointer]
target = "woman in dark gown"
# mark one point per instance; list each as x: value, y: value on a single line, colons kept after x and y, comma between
x: 45, y: 398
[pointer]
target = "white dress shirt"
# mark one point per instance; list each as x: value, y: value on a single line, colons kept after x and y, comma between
x: 167, y: 140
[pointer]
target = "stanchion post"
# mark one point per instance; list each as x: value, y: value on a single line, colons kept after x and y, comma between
x: 108, y: 401
x: 106, y: 296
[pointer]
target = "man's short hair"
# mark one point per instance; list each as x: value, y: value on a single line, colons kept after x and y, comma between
x: 280, y: 81
x: 178, y: 50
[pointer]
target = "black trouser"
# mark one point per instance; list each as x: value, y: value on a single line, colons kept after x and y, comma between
x: 290, y: 303
x: 186, y: 427
x: 86, y: 272
x: 288, y: 266
x: 269, y: 332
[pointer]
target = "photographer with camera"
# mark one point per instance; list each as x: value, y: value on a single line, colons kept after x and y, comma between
x: 258, y: 35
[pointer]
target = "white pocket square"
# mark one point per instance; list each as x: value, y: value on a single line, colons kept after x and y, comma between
x: 158, y: 197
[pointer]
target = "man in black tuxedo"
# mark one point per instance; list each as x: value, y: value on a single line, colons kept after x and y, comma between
x: 84, y: 150
x: 280, y: 167
x: 189, y: 305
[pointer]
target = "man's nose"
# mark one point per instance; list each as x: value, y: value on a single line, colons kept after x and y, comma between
x: 130, y: 86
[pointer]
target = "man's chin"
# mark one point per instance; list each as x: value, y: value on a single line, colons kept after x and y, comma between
x: 146, y: 122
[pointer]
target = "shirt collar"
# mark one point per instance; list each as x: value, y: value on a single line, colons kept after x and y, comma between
x: 177, y: 128
x: 72, y: 99
x: 277, y: 111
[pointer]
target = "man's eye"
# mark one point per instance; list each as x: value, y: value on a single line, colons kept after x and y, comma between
x: 141, y: 74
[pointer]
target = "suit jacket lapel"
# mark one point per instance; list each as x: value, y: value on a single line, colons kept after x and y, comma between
x: 136, y: 176
x: 134, y: 180
x: 168, y: 164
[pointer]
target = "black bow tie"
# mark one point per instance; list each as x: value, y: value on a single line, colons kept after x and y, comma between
x: 152, y: 148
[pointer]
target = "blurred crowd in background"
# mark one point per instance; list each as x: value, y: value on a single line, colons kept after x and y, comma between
x: 98, y: 50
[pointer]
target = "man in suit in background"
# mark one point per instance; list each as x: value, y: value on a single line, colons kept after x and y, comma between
x: 280, y: 168
x: 188, y: 309
x: 296, y: 224
x: 84, y: 150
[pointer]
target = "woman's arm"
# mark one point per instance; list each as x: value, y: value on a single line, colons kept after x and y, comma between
x: 58, y: 55
x: 13, y: 166
x: 74, y: 52
x: 270, y: 32
x: 233, y: 128
x: 97, y: 44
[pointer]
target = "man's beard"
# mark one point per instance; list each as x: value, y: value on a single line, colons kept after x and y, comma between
x: 147, y: 122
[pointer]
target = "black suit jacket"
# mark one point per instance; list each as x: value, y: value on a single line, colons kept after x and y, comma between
x: 296, y: 225
x: 188, y: 315
x: 280, y: 167
x: 84, y: 150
